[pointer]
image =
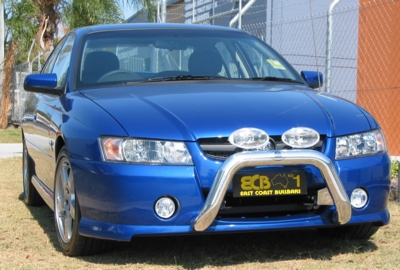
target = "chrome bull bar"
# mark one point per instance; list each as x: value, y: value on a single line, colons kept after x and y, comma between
x: 272, y: 158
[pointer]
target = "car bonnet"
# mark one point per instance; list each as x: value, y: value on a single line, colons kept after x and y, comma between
x: 189, y: 111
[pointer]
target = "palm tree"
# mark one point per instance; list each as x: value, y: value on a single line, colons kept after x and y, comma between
x: 41, y: 18
x: 80, y: 13
x: 19, y: 25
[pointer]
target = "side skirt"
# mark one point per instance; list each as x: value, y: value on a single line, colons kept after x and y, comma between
x: 45, y: 192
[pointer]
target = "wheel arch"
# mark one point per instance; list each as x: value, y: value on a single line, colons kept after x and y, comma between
x: 60, y: 142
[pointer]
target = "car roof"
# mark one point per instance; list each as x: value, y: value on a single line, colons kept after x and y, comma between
x: 144, y: 26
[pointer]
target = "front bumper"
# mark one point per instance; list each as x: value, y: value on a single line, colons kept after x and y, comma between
x: 117, y: 200
x: 121, y: 232
x: 274, y: 158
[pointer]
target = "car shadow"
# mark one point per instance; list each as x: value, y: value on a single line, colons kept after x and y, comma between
x: 44, y: 217
x: 193, y: 252
x: 197, y: 251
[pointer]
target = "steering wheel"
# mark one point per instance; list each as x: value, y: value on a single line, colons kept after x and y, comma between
x: 119, y: 75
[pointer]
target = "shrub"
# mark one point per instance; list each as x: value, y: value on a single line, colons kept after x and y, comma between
x: 395, y: 169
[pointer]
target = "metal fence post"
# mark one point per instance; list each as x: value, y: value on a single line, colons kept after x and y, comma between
x: 240, y: 15
x: 12, y: 116
x: 213, y: 12
x: 39, y: 64
x: 158, y: 12
x: 163, y: 11
x: 329, y: 45
x: 193, y: 9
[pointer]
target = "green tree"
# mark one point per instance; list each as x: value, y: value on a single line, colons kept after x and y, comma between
x: 39, y: 19
x: 20, y: 24
x: 82, y: 12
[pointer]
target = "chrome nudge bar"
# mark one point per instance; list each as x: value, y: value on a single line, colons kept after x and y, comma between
x: 272, y: 158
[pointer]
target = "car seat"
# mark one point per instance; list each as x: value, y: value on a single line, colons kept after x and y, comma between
x: 97, y: 64
x: 205, y: 63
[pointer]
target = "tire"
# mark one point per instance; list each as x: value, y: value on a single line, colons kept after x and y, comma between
x: 361, y: 231
x: 31, y: 195
x: 67, y: 213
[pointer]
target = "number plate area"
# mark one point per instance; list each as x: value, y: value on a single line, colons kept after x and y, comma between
x: 269, y: 183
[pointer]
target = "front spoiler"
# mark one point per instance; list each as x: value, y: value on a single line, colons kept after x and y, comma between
x: 123, y: 232
x: 273, y: 158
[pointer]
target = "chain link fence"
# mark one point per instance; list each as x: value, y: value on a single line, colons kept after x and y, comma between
x: 18, y: 94
x: 378, y: 79
x: 365, y: 54
x: 302, y: 41
x: 365, y: 57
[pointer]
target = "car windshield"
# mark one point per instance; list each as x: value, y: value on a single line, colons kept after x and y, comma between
x: 136, y: 56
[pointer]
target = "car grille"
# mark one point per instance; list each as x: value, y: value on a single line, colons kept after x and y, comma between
x: 221, y: 148
x: 268, y: 207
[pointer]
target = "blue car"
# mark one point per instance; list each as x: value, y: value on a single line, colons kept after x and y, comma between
x: 173, y: 129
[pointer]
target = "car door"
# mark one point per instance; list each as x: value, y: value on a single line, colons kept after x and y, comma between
x: 41, y: 140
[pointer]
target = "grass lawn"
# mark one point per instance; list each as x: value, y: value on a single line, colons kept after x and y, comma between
x: 28, y: 241
x: 10, y: 135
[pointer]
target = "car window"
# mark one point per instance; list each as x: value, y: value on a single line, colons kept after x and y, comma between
x: 231, y: 69
x: 263, y: 63
x: 121, y: 57
x: 148, y: 58
x: 61, y: 65
x: 48, y: 66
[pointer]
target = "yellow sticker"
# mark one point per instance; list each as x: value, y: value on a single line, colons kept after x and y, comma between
x: 275, y: 64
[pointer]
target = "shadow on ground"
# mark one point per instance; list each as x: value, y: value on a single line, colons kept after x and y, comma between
x: 198, y: 251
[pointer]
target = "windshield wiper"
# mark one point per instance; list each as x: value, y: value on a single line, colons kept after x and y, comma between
x: 277, y: 79
x: 184, y: 78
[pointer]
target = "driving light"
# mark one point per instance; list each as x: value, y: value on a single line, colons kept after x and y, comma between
x: 300, y: 137
x: 249, y: 138
x: 367, y: 143
x: 165, y: 207
x: 145, y: 151
x: 359, y: 198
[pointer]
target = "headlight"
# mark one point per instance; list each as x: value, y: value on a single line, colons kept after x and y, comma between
x: 145, y: 151
x: 367, y: 143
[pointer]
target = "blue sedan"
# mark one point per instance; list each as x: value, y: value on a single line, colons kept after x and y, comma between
x: 168, y: 129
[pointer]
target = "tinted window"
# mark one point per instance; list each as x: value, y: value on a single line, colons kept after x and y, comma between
x: 137, y: 55
x: 48, y: 66
x: 61, y: 65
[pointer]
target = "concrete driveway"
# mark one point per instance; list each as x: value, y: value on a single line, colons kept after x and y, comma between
x: 8, y: 150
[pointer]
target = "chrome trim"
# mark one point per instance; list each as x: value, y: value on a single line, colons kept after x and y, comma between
x: 272, y: 158
x: 324, y: 197
x: 45, y: 193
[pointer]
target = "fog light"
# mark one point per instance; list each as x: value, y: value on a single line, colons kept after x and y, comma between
x: 359, y: 198
x: 165, y: 207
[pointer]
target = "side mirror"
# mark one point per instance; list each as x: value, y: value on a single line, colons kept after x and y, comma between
x: 313, y: 78
x: 42, y: 83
